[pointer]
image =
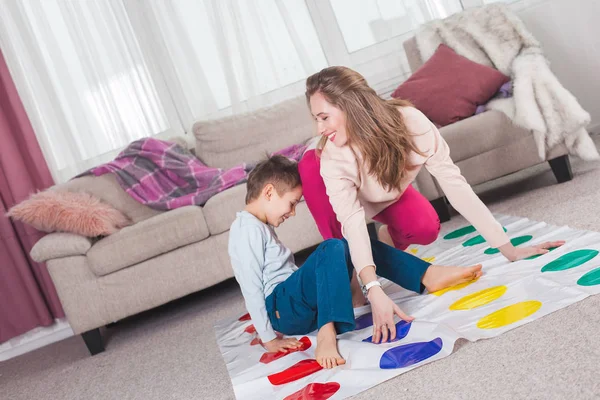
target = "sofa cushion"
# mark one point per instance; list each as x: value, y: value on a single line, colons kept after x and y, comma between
x: 480, y: 133
x: 220, y: 210
x: 227, y: 142
x: 449, y: 87
x: 147, y: 239
x: 107, y: 189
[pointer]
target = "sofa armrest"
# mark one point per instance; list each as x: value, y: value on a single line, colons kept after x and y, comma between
x: 184, y: 141
x: 60, y: 244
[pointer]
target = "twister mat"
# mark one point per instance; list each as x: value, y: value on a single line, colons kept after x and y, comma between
x: 506, y: 296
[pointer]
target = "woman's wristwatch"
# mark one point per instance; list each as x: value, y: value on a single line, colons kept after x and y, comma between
x: 369, y: 285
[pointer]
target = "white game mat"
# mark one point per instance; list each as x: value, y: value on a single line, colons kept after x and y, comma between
x: 508, y: 295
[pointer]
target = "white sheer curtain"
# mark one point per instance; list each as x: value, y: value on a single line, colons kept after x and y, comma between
x: 96, y: 74
x: 229, y: 56
x: 85, y: 83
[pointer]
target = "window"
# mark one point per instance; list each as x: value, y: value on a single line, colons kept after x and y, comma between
x: 498, y: 1
x: 364, y: 23
x: 232, y: 51
x: 368, y: 35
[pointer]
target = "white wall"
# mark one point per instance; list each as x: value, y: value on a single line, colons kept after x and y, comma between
x: 570, y: 34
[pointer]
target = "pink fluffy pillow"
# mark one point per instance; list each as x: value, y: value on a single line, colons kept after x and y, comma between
x: 449, y: 87
x: 79, y: 213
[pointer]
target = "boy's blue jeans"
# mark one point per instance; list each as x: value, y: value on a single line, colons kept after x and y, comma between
x: 319, y: 291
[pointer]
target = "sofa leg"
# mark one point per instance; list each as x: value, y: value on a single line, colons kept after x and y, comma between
x: 561, y: 166
x: 441, y: 208
x: 93, y: 341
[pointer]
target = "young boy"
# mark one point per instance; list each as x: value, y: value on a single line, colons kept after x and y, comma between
x: 282, y: 297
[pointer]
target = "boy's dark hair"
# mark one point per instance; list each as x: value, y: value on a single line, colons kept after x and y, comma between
x: 277, y: 170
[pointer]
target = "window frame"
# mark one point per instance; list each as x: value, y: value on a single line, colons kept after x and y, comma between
x: 384, y: 65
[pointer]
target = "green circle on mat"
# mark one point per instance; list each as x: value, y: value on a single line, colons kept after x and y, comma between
x: 460, y: 232
x: 590, y: 279
x: 570, y: 260
x: 476, y: 240
x: 515, y: 242
x: 539, y: 255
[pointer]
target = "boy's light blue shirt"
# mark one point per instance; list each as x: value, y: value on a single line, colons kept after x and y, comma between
x: 260, y: 262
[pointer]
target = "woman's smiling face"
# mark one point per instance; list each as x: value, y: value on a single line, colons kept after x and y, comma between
x: 331, y: 121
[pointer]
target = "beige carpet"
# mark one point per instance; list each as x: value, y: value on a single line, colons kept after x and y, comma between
x: 171, y: 352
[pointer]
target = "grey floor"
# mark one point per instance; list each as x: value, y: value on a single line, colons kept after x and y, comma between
x: 171, y: 352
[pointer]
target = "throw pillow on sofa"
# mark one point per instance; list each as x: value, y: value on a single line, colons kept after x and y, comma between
x: 449, y: 87
x: 80, y: 213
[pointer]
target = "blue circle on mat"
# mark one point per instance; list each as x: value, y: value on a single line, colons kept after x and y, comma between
x: 402, y: 329
x: 410, y: 354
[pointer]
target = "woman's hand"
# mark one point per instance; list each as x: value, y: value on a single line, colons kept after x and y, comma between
x: 518, y: 253
x: 383, y: 309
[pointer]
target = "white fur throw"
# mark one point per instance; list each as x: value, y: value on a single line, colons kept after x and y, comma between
x: 494, y: 36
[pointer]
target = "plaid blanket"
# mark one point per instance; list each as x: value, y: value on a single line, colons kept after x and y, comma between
x: 164, y: 175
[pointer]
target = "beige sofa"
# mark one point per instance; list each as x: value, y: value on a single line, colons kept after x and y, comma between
x: 163, y: 256
x: 485, y: 147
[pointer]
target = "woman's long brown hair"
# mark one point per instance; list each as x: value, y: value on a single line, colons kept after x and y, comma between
x: 375, y: 127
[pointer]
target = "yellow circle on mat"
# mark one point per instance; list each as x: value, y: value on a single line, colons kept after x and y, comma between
x: 430, y: 260
x: 456, y: 287
x: 509, y: 315
x: 414, y: 251
x: 479, y: 299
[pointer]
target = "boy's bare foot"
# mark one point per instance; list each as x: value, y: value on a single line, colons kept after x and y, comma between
x: 384, y: 235
x: 439, y: 277
x: 326, y: 353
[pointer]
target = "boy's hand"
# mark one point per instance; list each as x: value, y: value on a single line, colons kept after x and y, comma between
x: 282, y: 344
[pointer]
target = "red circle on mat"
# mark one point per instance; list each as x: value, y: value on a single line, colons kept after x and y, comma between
x: 245, y: 317
x: 269, y: 357
x: 315, y: 391
x: 255, y: 341
x: 250, y: 329
x: 295, y: 372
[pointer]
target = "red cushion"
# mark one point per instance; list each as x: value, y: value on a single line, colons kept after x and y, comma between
x: 449, y: 87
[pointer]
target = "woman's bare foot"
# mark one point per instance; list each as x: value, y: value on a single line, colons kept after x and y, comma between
x: 358, y: 298
x: 383, y: 235
x: 439, y: 277
x: 326, y: 353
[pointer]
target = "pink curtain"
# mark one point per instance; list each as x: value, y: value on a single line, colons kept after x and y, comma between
x: 27, y: 295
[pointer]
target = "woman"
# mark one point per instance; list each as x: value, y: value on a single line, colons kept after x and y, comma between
x: 370, y: 152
